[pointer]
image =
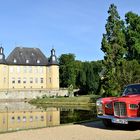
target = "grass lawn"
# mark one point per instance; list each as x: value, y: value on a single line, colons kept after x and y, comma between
x: 80, y: 100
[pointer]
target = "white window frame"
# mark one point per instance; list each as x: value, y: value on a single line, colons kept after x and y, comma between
x: 11, y: 69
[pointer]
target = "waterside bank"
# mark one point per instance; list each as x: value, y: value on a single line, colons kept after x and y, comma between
x: 80, y: 100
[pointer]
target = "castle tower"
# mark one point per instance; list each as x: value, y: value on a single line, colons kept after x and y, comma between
x: 3, y: 71
x: 2, y: 56
x: 53, y: 72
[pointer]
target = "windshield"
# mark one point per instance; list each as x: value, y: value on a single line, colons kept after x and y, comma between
x: 132, y: 89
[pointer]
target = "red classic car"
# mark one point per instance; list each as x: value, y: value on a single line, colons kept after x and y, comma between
x: 120, y: 110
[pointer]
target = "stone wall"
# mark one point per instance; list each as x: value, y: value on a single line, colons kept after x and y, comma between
x: 15, y: 95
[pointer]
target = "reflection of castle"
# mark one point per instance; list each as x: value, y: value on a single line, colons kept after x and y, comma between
x: 28, y: 69
x: 17, y: 120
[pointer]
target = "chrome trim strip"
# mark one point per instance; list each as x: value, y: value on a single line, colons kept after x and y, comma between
x: 136, y: 119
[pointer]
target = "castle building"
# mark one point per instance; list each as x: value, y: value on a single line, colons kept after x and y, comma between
x: 28, y: 69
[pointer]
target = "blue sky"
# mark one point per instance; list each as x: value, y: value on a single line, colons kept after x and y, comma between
x: 69, y: 26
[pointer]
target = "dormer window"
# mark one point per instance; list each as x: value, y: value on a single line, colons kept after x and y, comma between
x: 15, y: 61
x: 38, y: 61
x: 1, y: 56
x: 53, y: 58
x: 27, y: 61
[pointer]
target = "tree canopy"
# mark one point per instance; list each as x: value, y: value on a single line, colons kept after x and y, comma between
x: 120, y: 66
x: 121, y: 46
x: 82, y: 75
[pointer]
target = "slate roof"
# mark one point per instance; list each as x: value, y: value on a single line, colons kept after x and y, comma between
x: 27, y: 56
x: 3, y: 61
x: 53, y: 59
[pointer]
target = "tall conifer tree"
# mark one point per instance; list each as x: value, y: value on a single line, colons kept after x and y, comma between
x: 113, y: 43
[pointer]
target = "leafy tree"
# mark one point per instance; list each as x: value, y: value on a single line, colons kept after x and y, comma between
x: 89, y: 77
x: 129, y: 73
x: 82, y: 75
x: 78, y: 69
x: 113, y: 43
x: 67, y: 70
x: 133, y: 36
x: 81, y: 79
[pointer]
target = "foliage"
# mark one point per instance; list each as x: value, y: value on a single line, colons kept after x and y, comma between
x: 70, y: 91
x: 121, y: 64
x: 88, y: 78
x: 82, y: 75
x: 129, y: 72
x: 133, y: 36
x: 80, y: 100
x: 121, y: 45
x: 67, y: 70
x: 113, y: 43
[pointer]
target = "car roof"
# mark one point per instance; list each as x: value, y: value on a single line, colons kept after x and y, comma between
x: 133, y: 84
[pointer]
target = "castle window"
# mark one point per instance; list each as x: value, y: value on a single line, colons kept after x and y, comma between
x: 31, y: 80
x: 19, y: 81
x: 15, y: 61
x: 36, y: 80
x: 31, y: 118
x: 18, y: 118
x: 49, y: 70
x: 49, y: 118
x: 24, y: 119
x: 27, y: 61
x: 50, y: 80
x: 13, y: 80
x: 12, y: 119
x: 4, y: 80
x: 36, y: 70
x: 41, y: 80
x: 24, y: 80
x: 24, y: 69
x: 36, y: 118
x: 18, y: 69
x: 3, y: 120
x: 30, y: 69
x: 41, y: 70
x: 4, y: 69
x: 42, y: 118
x: 11, y: 69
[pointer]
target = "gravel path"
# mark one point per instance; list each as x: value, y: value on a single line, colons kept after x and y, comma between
x: 86, y: 131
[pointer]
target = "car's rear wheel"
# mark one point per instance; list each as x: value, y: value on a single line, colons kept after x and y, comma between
x: 107, y: 123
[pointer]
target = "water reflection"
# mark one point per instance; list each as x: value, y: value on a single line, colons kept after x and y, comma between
x: 74, y: 114
x: 20, y: 115
x: 17, y: 116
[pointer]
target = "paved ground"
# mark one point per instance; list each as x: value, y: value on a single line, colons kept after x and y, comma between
x: 86, y: 131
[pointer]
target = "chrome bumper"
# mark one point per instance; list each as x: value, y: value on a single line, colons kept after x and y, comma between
x: 136, y: 119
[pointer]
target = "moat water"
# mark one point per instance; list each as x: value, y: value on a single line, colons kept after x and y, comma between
x: 21, y: 115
